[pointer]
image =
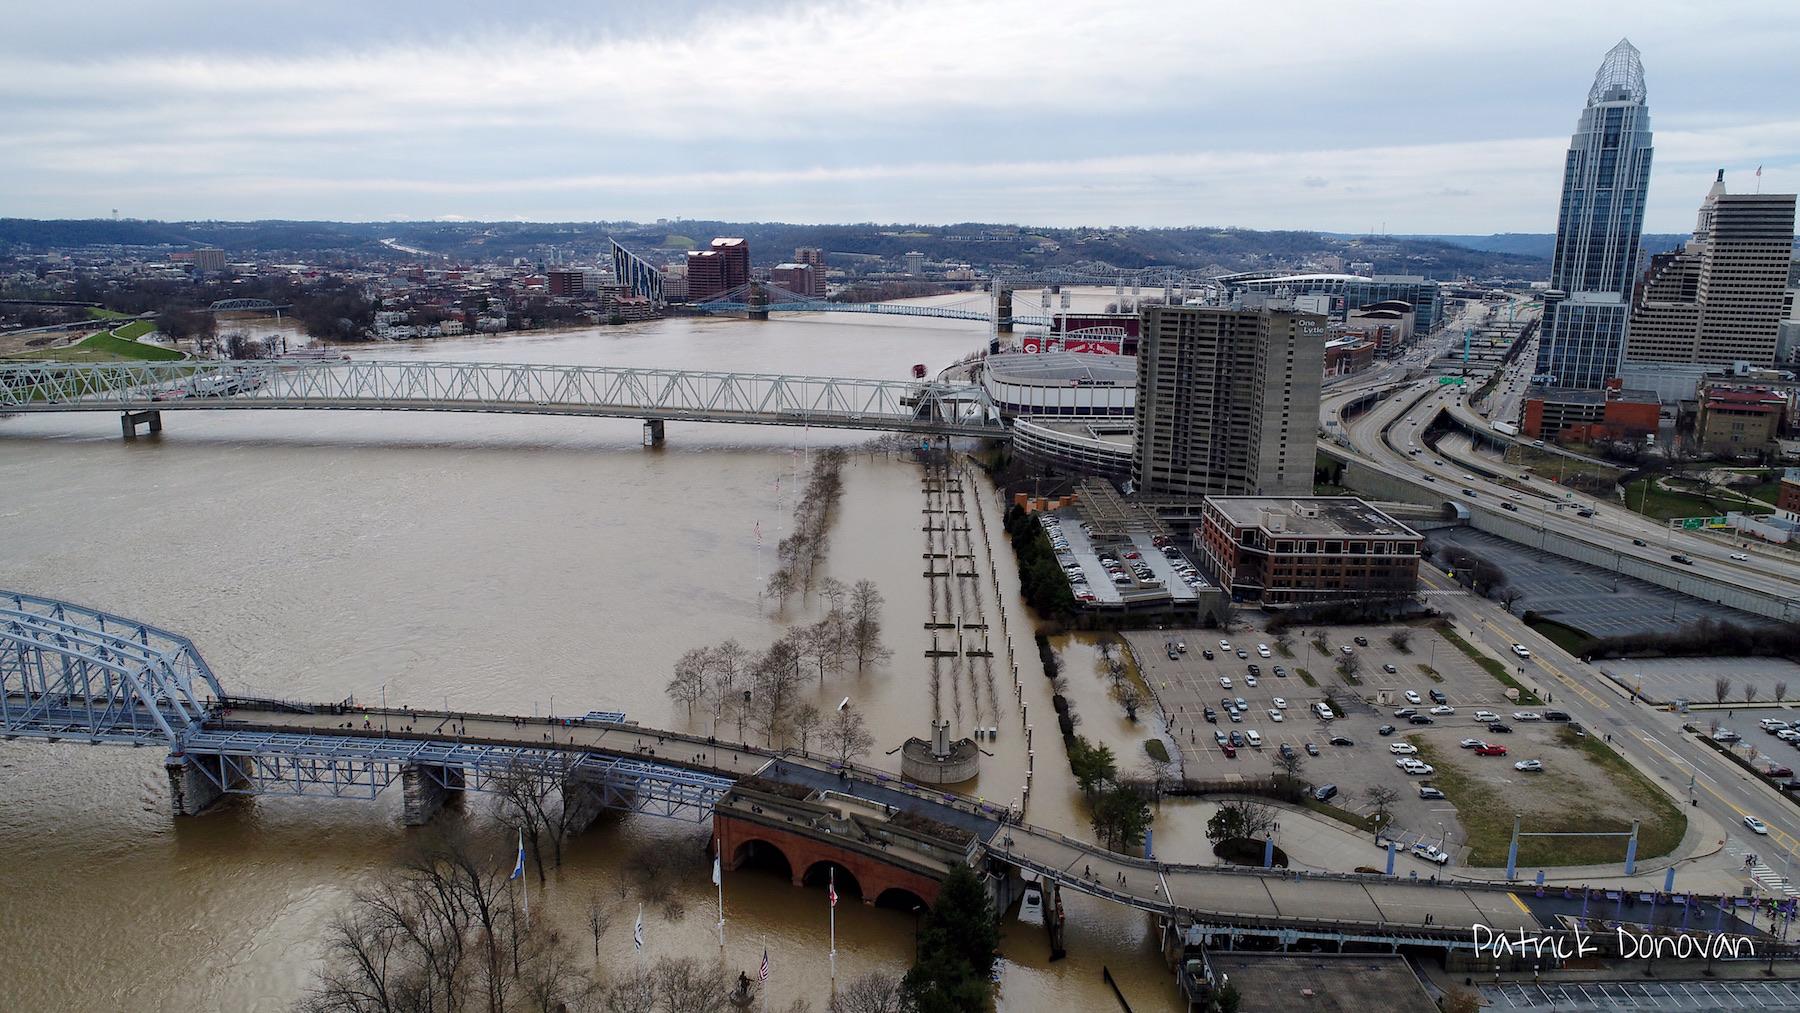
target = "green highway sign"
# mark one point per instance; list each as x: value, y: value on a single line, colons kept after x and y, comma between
x: 1451, y: 381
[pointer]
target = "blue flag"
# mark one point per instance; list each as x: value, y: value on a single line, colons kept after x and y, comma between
x: 519, y: 865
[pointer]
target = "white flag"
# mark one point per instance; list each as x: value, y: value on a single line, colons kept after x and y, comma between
x: 637, y: 931
x: 716, y: 871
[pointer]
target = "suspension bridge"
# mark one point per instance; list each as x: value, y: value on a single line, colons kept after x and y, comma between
x: 141, y: 391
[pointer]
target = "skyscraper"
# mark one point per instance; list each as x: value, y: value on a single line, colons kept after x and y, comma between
x: 1720, y: 299
x: 1228, y: 400
x: 1588, y: 307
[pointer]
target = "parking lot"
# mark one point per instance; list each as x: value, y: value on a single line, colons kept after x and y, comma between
x: 1666, y: 680
x: 1074, y: 548
x: 1588, y: 598
x: 1188, y: 684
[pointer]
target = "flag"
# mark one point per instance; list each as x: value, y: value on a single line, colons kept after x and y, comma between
x: 716, y: 872
x: 519, y: 863
x: 763, y: 975
x: 831, y: 892
x: 1759, y: 172
x: 637, y: 931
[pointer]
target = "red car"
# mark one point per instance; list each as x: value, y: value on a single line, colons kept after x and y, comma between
x: 1777, y: 770
x: 1491, y: 750
x: 1230, y: 751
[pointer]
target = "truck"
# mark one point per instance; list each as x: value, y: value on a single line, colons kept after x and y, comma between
x: 1506, y: 428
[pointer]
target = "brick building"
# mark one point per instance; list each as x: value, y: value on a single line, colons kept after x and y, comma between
x: 1740, y: 420
x: 1583, y: 415
x: 718, y: 269
x: 1306, y: 549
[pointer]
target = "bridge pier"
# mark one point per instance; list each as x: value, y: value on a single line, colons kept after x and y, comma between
x: 427, y: 787
x: 191, y: 791
x: 582, y: 805
x: 129, y: 421
x: 653, y: 432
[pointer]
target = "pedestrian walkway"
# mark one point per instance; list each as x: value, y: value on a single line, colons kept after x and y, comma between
x: 1745, y: 852
x: 1580, y: 997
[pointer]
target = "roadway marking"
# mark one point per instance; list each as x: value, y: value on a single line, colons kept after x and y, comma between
x: 1521, y: 904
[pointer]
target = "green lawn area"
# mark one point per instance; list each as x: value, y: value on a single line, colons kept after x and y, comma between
x: 1567, y: 637
x: 1767, y: 491
x: 1553, y: 466
x: 1662, y: 504
x: 1489, y: 665
x: 96, y: 313
x: 1487, y: 815
x: 1306, y: 677
x: 107, y: 346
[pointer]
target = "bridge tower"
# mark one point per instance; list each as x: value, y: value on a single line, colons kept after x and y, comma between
x: 1003, y: 311
x: 757, y: 301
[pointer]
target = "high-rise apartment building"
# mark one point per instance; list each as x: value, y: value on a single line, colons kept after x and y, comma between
x: 1587, y: 310
x: 813, y: 257
x: 1228, y: 400
x: 1720, y: 299
x: 567, y: 283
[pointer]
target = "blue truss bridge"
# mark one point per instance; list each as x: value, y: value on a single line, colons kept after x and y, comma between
x: 766, y: 298
x: 141, y: 391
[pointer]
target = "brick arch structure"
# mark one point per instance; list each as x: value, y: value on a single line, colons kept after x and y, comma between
x: 803, y: 852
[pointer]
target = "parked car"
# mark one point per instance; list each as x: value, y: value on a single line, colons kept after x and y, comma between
x: 1437, y: 696
x: 1385, y: 730
x: 1778, y: 770
x: 1471, y: 743
x: 1242, y: 654
x: 1224, y: 682
x: 1427, y: 791
x: 1727, y: 735
x: 1420, y: 719
x: 1527, y: 716
x: 1430, y: 853
x: 1486, y: 716
x: 1311, y: 749
x: 1347, y: 649
x: 1499, y: 727
x: 1362, y: 641
x: 1557, y: 716
x: 1490, y: 749
x: 1390, y: 669
x: 1286, y: 751
x: 1412, y: 696
x: 1207, y: 654
x: 1406, y: 712
x: 1530, y: 766
x: 1250, y: 681
x: 1211, y: 715
x: 1237, y: 737
x: 1280, y: 673
x: 1325, y: 792
x: 1341, y: 740
x: 1443, y: 708
x: 1221, y: 738
x: 1276, y: 715
x: 1230, y: 751
x: 1253, y: 737
x: 1772, y: 725
x: 1262, y: 650
x: 1253, y: 668
x: 1280, y: 702
x: 1402, y: 748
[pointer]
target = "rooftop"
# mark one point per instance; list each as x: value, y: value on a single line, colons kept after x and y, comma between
x: 1577, y: 395
x: 1324, y: 983
x: 1311, y: 515
x: 1620, y: 77
x: 1075, y: 368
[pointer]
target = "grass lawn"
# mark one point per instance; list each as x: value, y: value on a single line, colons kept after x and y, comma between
x: 1662, y: 504
x: 106, y: 346
x: 1567, y: 637
x: 1552, y: 466
x: 1487, y: 815
x: 1489, y: 665
x: 96, y: 313
x: 1360, y: 822
x: 1430, y: 673
x: 1307, y: 677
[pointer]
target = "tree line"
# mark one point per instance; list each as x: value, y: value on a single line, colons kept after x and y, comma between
x: 763, y: 690
x: 1041, y: 578
x: 800, y: 553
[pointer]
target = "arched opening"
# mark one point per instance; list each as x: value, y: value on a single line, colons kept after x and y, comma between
x: 761, y: 855
x: 820, y: 873
x: 897, y: 898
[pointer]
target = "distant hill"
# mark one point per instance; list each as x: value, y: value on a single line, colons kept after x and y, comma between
x: 1540, y: 244
x: 990, y: 247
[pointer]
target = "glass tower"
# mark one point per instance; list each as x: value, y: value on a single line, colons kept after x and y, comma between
x: 1607, y: 171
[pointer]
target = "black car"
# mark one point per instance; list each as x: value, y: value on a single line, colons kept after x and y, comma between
x: 1437, y: 696
x: 1556, y: 716
x: 1225, y: 702
x: 1208, y: 655
x: 1421, y: 719
x: 1362, y: 641
x: 1499, y: 727
x: 1639, y: 541
x: 1406, y: 712
x: 1286, y: 751
x: 1342, y: 740
x: 1790, y: 786
x: 1211, y: 715
x: 1237, y: 738
x: 1312, y: 750
x: 1325, y: 793
x: 1253, y: 669
x: 1385, y: 730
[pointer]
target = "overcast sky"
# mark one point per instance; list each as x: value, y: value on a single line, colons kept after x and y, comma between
x: 1433, y: 117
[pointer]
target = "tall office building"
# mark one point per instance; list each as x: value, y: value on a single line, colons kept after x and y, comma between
x: 1587, y: 310
x: 1720, y: 299
x: 1228, y: 401
x: 813, y: 257
x: 716, y: 270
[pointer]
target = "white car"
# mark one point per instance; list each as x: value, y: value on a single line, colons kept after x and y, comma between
x: 1402, y: 748
x: 1486, y: 716
x: 1347, y: 649
x: 1756, y: 826
x: 1276, y: 715
x: 1471, y: 743
x: 1430, y: 853
x: 1521, y: 651
x: 1740, y: 557
x: 1443, y: 708
x: 1419, y: 768
x: 1527, y: 716
x: 1225, y: 682
x: 1772, y: 725
x: 1250, y: 680
x: 1225, y: 645
x: 1280, y: 702
x: 1262, y: 650
x: 1413, y: 697
x: 1788, y: 735
x: 1529, y: 765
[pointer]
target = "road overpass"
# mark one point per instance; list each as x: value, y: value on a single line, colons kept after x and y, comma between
x: 141, y: 391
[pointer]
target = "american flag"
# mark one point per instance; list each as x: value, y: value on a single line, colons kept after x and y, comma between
x: 763, y: 975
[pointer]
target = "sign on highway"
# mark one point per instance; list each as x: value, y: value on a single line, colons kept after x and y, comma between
x: 1451, y: 381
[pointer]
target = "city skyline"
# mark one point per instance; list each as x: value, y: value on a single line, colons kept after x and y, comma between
x: 1420, y: 123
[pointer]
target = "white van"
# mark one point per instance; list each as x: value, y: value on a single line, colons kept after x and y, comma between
x: 1322, y: 711
x: 1253, y: 737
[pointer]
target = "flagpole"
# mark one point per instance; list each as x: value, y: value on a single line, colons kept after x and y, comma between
x: 833, y: 887
x: 719, y: 879
x: 524, y: 880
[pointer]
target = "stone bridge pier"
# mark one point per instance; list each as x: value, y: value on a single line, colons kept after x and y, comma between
x: 129, y: 422
x: 192, y: 786
x: 427, y: 788
x: 807, y: 857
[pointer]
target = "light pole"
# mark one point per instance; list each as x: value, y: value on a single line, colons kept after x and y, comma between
x: 384, y: 726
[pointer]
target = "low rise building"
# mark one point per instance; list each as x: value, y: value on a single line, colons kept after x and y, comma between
x: 1296, y: 550
x: 1347, y: 355
x: 1740, y: 420
x: 1582, y: 415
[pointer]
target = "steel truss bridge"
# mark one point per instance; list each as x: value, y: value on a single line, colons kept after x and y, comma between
x: 780, y: 300
x: 75, y: 674
x: 654, y: 395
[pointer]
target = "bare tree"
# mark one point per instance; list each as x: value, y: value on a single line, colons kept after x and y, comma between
x: 1781, y: 688
x: 689, y: 684
x: 865, y: 625
x: 835, y: 594
x: 874, y: 992
x: 1381, y: 799
x: 847, y: 735
x: 729, y: 669
x: 542, y: 801
x: 781, y: 584
x: 1509, y: 596
x: 1750, y: 691
x: 598, y: 921
x: 775, y: 684
x: 1721, y: 688
x: 1131, y: 699
x: 1402, y: 640
x: 806, y: 722
x: 1348, y: 666
x: 1288, y: 766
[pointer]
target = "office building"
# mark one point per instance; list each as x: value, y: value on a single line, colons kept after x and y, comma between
x: 640, y: 277
x: 1298, y: 550
x: 1347, y: 292
x: 1607, y: 413
x: 566, y: 283
x: 915, y: 263
x: 1587, y: 308
x: 718, y: 269
x: 1721, y: 299
x: 814, y: 258
x: 797, y: 278
x: 1740, y: 420
x: 1228, y: 400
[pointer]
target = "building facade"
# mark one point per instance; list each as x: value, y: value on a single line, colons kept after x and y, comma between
x: 718, y: 269
x: 1740, y: 420
x: 1599, y: 225
x: 1721, y: 299
x: 814, y: 258
x: 1609, y: 413
x: 1227, y: 400
x: 1422, y: 296
x: 566, y: 283
x: 638, y: 275
x: 1307, y: 549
